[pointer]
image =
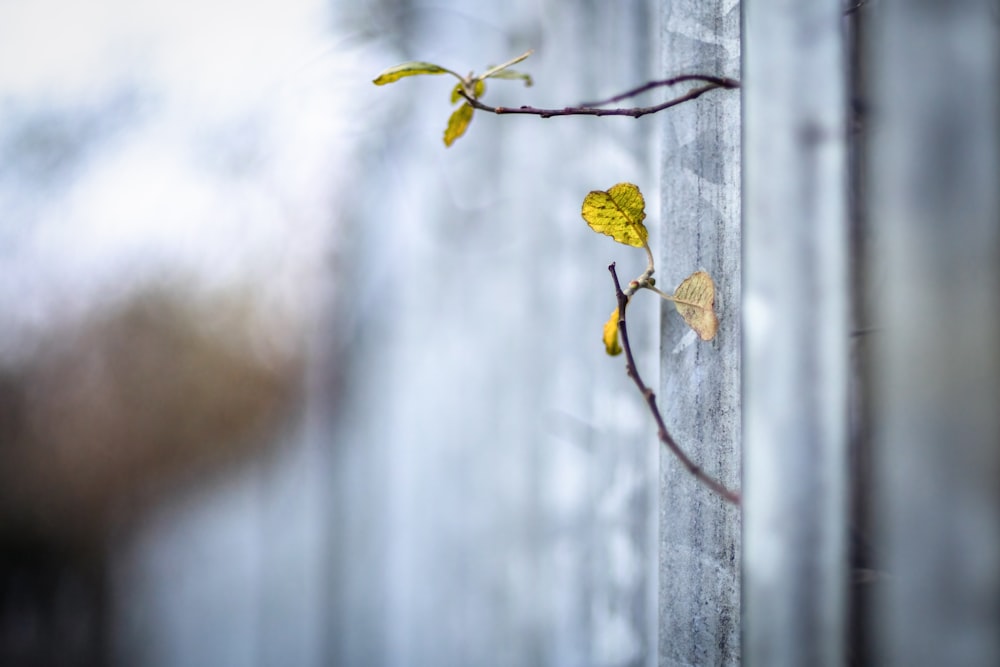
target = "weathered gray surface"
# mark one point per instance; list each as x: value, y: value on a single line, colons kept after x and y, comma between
x: 494, y: 473
x: 700, y: 384
x: 796, y: 334
x: 936, y: 208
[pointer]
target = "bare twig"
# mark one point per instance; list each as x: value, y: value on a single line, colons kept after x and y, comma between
x: 719, y: 81
x: 647, y: 393
x: 593, y: 108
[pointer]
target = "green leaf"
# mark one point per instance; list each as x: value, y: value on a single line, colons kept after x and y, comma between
x: 611, y: 345
x: 617, y: 212
x: 512, y: 75
x: 478, y: 90
x: 409, y: 69
x: 458, y: 123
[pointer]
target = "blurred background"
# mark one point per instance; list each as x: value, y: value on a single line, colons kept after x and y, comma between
x: 285, y: 381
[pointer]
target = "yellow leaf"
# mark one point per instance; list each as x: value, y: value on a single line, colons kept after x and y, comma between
x: 458, y: 123
x: 478, y: 90
x: 611, y: 335
x: 619, y: 213
x: 409, y: 69
x: 695, y: 301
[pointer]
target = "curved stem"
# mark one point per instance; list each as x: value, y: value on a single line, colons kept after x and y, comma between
x: 670, y: 297
x: 719, y: 81
x: 634, y: 112
x: 647, y: 393
x: 649, y: 263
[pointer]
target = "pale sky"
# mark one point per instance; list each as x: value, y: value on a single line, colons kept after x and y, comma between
x: 222, y: 130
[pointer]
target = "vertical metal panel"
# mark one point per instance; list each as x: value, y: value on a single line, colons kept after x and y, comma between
x: 700, y: 386
x: 936, y: 205
x: 795, y: 318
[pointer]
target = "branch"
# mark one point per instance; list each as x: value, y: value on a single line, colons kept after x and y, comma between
x: 717, y: 81
x: 593, y: 108
x: 647, y: 393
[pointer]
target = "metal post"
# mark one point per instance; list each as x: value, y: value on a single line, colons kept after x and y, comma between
x: 936, y: 208
x: 795, y: 313
x: 700, y: 382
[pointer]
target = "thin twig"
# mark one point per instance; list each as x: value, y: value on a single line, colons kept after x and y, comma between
x: 647, y: 393
x: 719, y: 81
x: 634, y: 112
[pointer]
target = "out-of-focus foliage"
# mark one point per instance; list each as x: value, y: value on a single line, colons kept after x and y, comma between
x: 409, y: 69
x: 472, y: 86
